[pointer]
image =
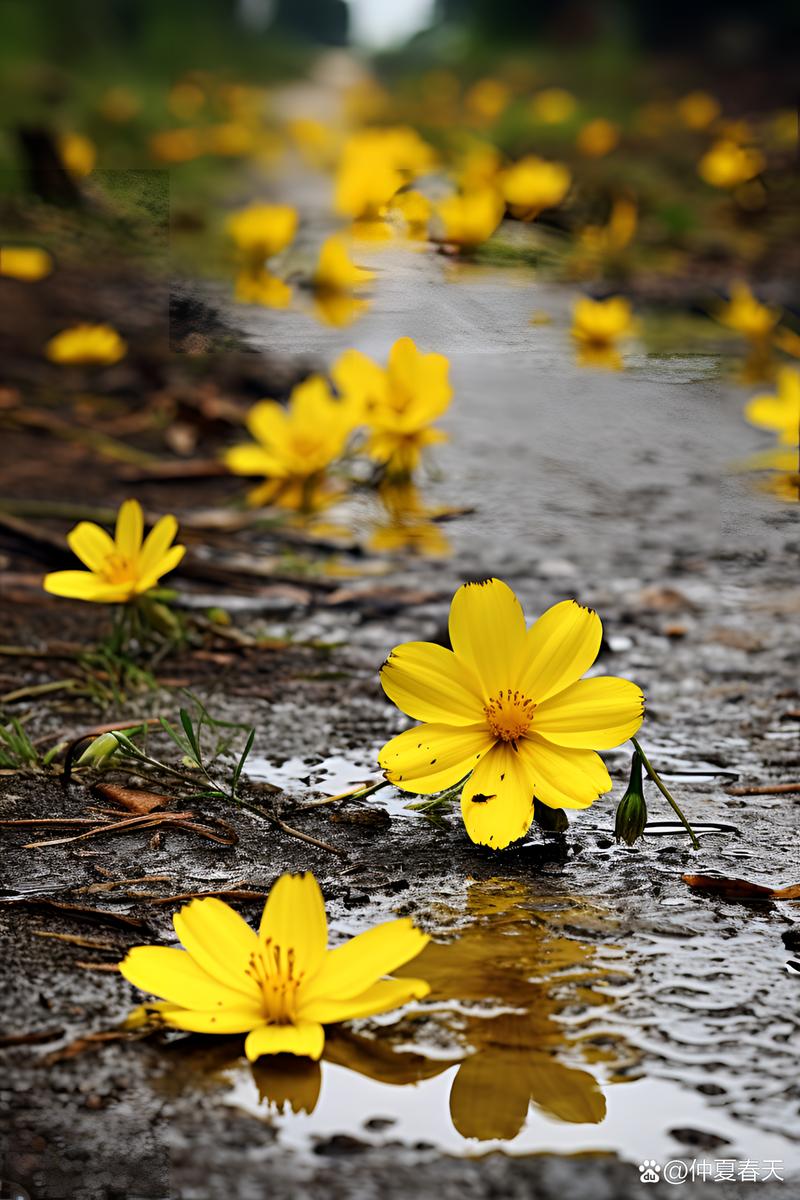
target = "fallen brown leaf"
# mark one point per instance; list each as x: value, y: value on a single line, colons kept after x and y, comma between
x: 132, y: 799
x: 740, y: 889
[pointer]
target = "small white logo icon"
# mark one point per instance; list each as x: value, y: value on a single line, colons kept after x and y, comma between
x: 649, y: 1171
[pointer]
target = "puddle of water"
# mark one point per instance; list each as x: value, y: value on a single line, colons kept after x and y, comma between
x: 522, y: 1046
x: 337, y: 773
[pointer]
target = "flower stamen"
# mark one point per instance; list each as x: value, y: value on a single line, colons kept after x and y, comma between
x: 509, y: 714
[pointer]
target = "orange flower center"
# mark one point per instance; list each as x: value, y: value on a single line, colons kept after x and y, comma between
x: 118, y: 569
x: 275, y: 974
x: 509, y: 715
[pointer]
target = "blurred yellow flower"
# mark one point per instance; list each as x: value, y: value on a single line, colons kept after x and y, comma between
x: 280, y: 985
x: 744, y: 314
x: 78, y: 154
x: 416, y: 210
x: 119, y: 104
x: 779, y: 412
x: 597, y: 326
x: 532, y: 184
x: 601, y: 241
x: 486, y: 100
x: 553, y: 106
x: 185, y: 99
x: 261, y: 231
x: 479, y: 167
x: 374, y: 165
x: 86, y: 345
x: 398, y: 403
x: 598, y: 138
x: 315, y: 141
x: 230, y: 139
x: 469, y: 219
x: 698, y: 109
x: 727, y: 164
x: 177, y: 145
x: 295, y: 446
x: 333, y: 282
x: 28, y: 263
x: 506, y: 711
x: 255, y: 285
x: 120, y: 568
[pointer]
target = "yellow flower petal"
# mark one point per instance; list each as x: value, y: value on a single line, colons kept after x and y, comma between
x: 429, y: 683
x: 156, y: 544
x: 294, y: 924
x: 560, y: 647
x: 305, y: 1039
x: 350, y: 969
x: 268, y: 422
x: 487, y: 632
x: 130, y: 528
x: 497, y: 800
x: 91, y: 544
x: 564, y: 778
x: 252, y: 459
x: 594, y: 714
x: 430, y: 758
x: 381, y: 997
x: 219, y: 941
x: 166, y: 564
x: 217, y: 1020
x: 175, y: 976
x: 83, y: 585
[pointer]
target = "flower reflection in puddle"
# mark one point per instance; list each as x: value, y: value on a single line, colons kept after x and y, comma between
x: 409, y: 524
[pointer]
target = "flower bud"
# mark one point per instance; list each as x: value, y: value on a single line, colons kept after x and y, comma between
x: 632, y: 810
x: 100, y: 751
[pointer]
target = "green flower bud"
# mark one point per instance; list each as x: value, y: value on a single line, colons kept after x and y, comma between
x: 100, y: 751
x: 632, y: 810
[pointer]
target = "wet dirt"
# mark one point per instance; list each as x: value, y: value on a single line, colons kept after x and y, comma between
x: 589, y: 1011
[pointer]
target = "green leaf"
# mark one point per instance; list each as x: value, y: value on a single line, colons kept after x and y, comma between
x: 238, y: 769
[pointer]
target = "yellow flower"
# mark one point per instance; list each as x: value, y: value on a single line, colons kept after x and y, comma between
x: 486, y: 100
x: 29, y: 263
x: 479, y: 167
x: 262, y: 230
x: 122, y: 568
x: 468, y: 220
x: 78, y: 154
x: 532, y: 185
x: 177, y: 145
x: 294, y: 446
x: 553, y: 106
x: 600, y: 323
x: 86, y: 345
x: 698, y: 110
x: 728, y: 164
x: 282, y: 984
x: 601, y: 241
x: 598, y: 138
x: 507, y: 709
x: 747, y: 316
x: 261, y: 287
x: 375, y: 164
x: 119, y: 104
x: 780, y: 412
x: 415, y: 209
x: 399, y: 403
x: 334, y: 279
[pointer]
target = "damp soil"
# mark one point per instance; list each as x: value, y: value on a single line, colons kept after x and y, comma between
x: 595, y: 1011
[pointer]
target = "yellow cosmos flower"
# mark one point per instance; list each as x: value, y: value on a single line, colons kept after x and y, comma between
x: 120, y: 568
x: 333, y: 282
x: 469, y: 219
x: 479, y: 167
x: 486, y: 100
x: 598, y: 138
x: 282, y: 984
x: 415, y: 209
x: 258, y: 286
x: 28, y: 263
x: 553, y: 106
x: 399, y: 403
x: 78, y: 154
x: 532, y: 185
x: 507, y: 709
x: 597, y: 325
x: 86, y: 345
x: 698, y: 110
x: 263, y: 230
x: 747, y: 316
x: 780, y: 412
x: 728, y: 164
x: 294, y: 446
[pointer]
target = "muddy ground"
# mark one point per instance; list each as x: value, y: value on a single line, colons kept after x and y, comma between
x: 613, y: 488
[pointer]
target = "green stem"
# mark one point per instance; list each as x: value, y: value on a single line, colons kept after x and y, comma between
x: 361, y: 795
x: 656, y: 778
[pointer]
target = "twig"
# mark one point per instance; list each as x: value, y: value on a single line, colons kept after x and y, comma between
x: 775, y: 789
